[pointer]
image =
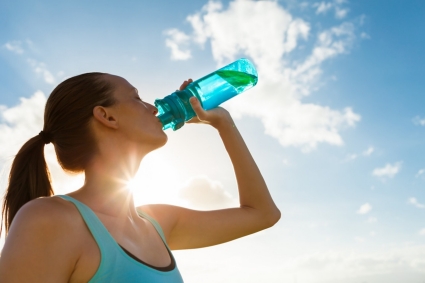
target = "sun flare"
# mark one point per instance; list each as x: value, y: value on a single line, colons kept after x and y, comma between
x: 155, y: 181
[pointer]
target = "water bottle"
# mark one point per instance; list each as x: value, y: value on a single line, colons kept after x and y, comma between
x: 212, y: 90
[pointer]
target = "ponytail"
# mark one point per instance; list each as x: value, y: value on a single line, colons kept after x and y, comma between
x: 67, y: 116
x: 29, y: 178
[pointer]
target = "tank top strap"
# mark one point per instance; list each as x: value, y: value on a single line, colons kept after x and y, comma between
x: 96, y: 227
x: 154, y: 223
x: 99, y: 232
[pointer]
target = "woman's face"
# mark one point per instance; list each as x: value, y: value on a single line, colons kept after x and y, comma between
x: 137, y: 119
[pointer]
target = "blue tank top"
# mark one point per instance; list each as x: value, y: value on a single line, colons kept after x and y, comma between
x: 115, y: 264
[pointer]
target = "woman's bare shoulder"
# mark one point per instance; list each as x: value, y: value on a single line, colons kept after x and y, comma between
x: 51, y: 217
x: 45, y: 238
x: 46, y: 211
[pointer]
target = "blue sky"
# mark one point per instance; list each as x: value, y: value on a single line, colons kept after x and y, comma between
x: 336, y: 122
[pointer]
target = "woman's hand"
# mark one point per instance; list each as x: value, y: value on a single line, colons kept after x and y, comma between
x: 216, y: 117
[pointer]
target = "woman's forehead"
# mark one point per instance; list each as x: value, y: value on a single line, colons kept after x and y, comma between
x: 120, y: 84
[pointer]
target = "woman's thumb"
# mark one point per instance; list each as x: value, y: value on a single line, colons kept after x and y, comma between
x: 195, y: 103
x: 197, y: 107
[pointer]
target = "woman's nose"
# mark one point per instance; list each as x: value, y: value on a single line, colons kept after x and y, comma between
x: 154, y: 109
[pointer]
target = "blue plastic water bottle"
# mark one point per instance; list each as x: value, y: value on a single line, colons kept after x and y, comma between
x: 211, y: 91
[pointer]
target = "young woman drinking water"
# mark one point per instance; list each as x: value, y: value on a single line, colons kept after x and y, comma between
x: 99, y: 126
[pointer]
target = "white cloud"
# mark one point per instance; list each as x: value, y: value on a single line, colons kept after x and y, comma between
x: 351, y: 157
x: 340, y: 13
x: 14, y: 46
x: 268, y: 38
x: 422, y: 232
x: 354, y: 156
x: 358, y: 266
x: 368, y: 151
x: 20, y: 123
x: 414, y: 201
x: 388, y: 171
x: 419, y: 121
x: 322, y: 7
x: 201, y: 192
x: 176, y: 39
x: 40, y: 68
x: 365, y: 208
x: 420, y: 172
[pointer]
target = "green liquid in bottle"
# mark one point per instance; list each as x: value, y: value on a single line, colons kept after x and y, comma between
x: 220, y: 86
x: 239, y: 80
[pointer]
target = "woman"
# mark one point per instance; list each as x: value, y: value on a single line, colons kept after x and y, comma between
x: 99, y: 126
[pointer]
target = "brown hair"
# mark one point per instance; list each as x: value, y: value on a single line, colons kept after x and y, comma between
x: 67, y: 115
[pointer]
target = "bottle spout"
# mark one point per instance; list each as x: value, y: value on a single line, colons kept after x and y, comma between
x: 170, y: 114
x: 166, y: 119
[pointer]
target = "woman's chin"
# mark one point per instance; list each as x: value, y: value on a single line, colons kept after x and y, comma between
x: 161, y: 141
x: 165, y: 139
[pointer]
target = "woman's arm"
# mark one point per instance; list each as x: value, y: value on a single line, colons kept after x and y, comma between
x: 185, y: 228
x: 39, y: 246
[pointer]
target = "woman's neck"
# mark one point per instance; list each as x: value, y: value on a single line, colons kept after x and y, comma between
x: 106, y: 190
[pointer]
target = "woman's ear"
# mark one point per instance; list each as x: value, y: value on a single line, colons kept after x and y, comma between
x: 105, y: 117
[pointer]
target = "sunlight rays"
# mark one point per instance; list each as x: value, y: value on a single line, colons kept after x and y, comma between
x: 155, y: 182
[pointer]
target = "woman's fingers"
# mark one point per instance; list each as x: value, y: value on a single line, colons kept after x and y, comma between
x: 185, y: 83
x: 214, y: 117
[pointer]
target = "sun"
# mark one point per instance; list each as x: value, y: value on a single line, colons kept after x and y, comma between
x: 155, y: 182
